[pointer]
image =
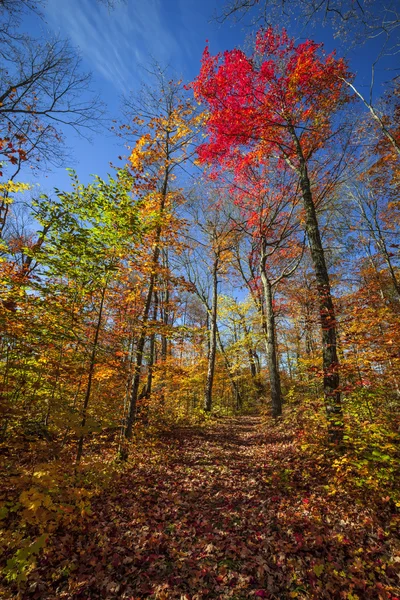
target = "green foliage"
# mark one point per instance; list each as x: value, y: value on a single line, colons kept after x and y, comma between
x: 369, y: 462
x: 18, y: 566
x: 89, y: 230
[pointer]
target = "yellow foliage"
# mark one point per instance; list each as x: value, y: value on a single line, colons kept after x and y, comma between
x: 12, y: 187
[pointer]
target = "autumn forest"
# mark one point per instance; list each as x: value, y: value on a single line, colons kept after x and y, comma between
x: 200, y: 350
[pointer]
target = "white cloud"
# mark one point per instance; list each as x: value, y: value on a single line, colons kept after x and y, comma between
x: 115, y: 42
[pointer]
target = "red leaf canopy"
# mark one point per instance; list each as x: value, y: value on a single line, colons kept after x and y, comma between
x: 256, y: 102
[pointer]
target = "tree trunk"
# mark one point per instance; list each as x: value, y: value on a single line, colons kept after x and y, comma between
x: 152, y: 353
x: 326, y: 309
x: 139, y: 356
x: 254, y: 367
x: 164, y: 308
x: 395, y: 144
x: 145, y: 318
x: 213, y: 341
x: 90, y: 378
x: 233, y: 382
x: 274, y: 377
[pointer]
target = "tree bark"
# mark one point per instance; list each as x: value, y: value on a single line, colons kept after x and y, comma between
x: 233, y: 382
x: 90, y: 378
x: 395, y: 144
x: 145, y: 318
x: 213, y: 340
x: 274, y: 377
x: 139, y: 353
x: 164, y: 308
x: 327, y: 316
x: 152, y: 354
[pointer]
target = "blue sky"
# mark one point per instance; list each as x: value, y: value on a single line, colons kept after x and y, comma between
x: 116, y: 44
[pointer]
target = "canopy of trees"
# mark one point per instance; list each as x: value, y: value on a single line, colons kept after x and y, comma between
x: 200, y: 353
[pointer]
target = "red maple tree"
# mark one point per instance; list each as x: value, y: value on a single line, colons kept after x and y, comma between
x: 278, y: 103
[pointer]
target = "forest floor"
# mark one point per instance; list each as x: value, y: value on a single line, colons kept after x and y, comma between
x: 231, y: 510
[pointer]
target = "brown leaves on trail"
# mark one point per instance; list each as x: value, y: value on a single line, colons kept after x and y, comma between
x: 232, y: 511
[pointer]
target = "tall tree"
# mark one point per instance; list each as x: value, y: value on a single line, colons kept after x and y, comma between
x: 164, y: 123
x: 280, y: 101
x: 212, y: 241
x: 353, y: 23
x: 91, y: 231
x: 268, y: 201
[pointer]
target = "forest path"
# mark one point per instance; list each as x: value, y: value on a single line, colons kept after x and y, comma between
x: 219, y: 512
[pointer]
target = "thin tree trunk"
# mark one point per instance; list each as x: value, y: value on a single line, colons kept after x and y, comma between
x: 213, y: 341
x: 53, y: 392
x: 139, y: 360
x: 233, y: 382
x: 145, y: 318
x: 165, y: 309
x: 259, y: 304
x: 377, y: 236
x: 381, y: 331
x: 274, y: 377
x: 252, y: 363
x: 90, y: 378
x: 147, y: 391
x: 68, y: 428
x: 251, y: 353
x: 375, y: 116
x: 289, y: 363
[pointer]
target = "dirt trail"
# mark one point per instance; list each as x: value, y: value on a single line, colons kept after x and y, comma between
x: 222, y: 512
